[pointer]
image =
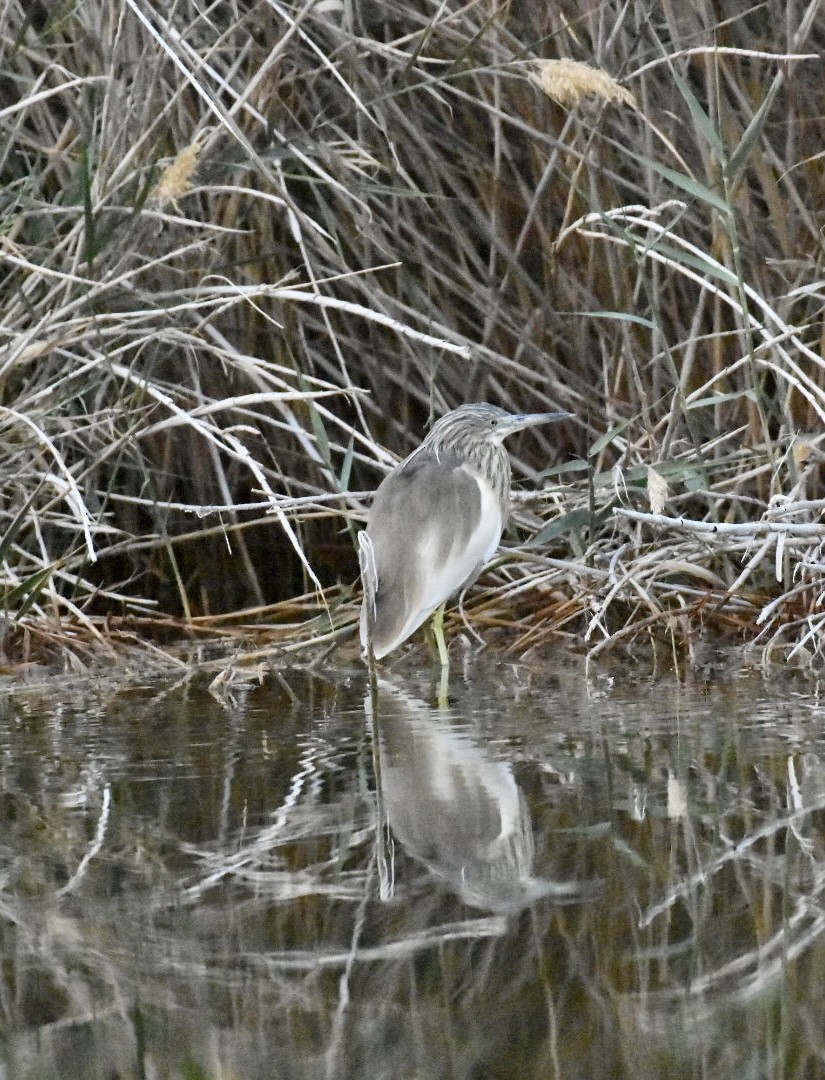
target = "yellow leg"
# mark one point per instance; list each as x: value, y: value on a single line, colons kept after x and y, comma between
x: 438, y: 634
x: 435, y: 635
x: 444, y: 659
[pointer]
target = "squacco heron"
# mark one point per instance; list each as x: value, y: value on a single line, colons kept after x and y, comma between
x: 435, y: 521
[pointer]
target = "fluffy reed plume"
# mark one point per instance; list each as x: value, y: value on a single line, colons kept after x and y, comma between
x: 569, y: 82
x: 806, y: 451
x: 176, y: 179
x: 657, y: 490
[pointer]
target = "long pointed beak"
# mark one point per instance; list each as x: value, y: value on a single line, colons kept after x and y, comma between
x: 522, y: 420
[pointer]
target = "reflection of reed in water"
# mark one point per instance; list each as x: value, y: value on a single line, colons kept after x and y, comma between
x: 455, y: 808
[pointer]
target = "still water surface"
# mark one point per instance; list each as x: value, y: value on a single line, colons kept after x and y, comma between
x: 555, y: 876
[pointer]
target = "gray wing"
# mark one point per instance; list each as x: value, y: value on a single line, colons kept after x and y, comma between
x: 424, y: 528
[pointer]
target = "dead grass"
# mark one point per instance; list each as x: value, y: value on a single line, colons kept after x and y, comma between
x: 243, y: 252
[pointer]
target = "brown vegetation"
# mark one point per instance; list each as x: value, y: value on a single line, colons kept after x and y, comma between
x: 246, y: 251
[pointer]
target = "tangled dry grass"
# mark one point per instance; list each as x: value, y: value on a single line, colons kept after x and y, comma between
x: 247, y: 248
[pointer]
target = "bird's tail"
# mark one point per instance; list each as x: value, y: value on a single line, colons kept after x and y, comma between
x: 369, y: 582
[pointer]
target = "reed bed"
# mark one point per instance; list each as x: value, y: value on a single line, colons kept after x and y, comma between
x: 249, y: 250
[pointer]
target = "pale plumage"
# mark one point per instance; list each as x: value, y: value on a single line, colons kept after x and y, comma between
x: 436, y: 520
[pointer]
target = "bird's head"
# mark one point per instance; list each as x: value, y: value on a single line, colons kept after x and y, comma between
x: 469, y: 426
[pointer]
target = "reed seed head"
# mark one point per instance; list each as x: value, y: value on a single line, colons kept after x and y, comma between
x: 569, y: 82
x: 176, y: 179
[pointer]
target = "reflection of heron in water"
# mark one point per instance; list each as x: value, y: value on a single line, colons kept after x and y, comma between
x: 455, y: 808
